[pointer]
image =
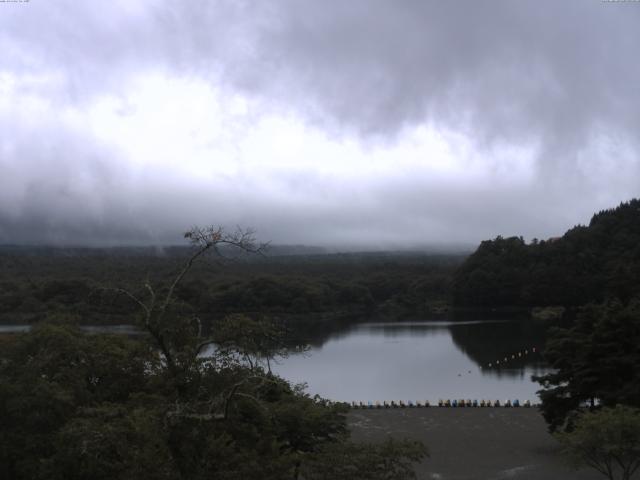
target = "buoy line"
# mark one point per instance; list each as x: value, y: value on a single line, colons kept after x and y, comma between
x: 515, y: 356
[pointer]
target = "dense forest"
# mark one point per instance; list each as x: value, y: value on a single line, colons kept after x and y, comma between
x: 587, y: 264
x: 155, y: 406
x: 592, y: 270
x: 162, y: 406
x: 38, y: 283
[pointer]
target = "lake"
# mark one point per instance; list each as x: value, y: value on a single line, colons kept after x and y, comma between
x: 417, y: 361
x: 117, y: 329
x: 425, y: 360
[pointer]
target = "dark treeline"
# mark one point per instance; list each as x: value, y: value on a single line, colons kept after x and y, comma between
x: 595, y: 362
x: 587, y: 264
x: 36, y: 283
x: 594, y: 271
x: 162, y: 405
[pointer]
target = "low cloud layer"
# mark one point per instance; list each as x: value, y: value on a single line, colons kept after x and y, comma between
x: 368, y: 124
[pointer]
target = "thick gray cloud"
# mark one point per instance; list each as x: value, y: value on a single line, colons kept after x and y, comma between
x: 559, y: 80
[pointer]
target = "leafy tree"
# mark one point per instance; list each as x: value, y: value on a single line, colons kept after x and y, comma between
x: 255, y: 341
x: 607, y: 440
x: 48, y: 377
x: 162, y: 406
x: 595, y: 362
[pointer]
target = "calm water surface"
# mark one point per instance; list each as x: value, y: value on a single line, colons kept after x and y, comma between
x: 116, y: 329
x: 423, y: 361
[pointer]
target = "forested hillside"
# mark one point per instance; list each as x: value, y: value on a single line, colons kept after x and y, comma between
x: 38, y: 283
x: 587, y: 264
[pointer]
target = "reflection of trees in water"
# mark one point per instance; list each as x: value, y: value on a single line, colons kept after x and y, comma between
x: 403, y: 330
x: 487, y: 342
x: 316, y: 330
x: 319, y: 330
x: 483, y: 342
x: 523, y: 372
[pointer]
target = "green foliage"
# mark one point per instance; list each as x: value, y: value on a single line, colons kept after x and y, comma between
x: 253, y: 339
x: 595, y: 362
x: 77, y: 406
x: 73, y: 282
x: 112, y: 441
x: 161, y: 406
x: 47, y: 377
x: 607, y: 440
x: 588, y: 264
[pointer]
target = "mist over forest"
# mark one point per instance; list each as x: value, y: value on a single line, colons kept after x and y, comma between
x: 362, y: 240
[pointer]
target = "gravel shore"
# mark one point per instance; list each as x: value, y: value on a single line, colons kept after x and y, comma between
x: 472, y: 443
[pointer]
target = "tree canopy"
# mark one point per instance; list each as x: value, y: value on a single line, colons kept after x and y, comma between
x: 595, y: 362
x: 161, y: 406
x: 607, y: 440
x: 587, y: 264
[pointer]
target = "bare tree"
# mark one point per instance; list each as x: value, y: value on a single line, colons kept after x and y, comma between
x: 156, y: 304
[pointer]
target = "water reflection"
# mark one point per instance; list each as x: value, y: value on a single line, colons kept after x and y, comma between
x: 422, y: 361
x: 92, y: 329
x: 14, y: 328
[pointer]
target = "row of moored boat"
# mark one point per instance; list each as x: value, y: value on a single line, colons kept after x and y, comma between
x: 444, y: 403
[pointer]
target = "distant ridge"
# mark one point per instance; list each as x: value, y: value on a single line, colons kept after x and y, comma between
x: 182, y: 250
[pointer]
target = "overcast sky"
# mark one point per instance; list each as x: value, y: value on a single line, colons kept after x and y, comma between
x: 360, y: 123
